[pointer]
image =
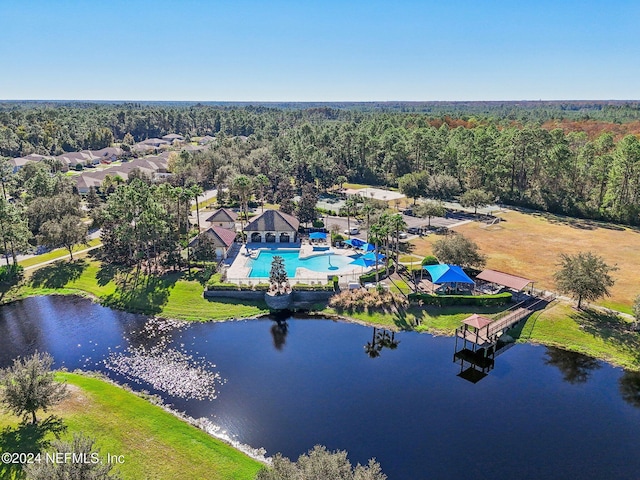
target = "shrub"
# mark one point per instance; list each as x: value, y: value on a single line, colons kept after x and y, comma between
x: 320, y: 463
x: 450, y: 300
x: 337, y: 237
x: 11, y: 274
x: 304, y: 287
x: 429, y: 260
x: 318, y: 224
x: 361, y: 300
x: 382, y: 273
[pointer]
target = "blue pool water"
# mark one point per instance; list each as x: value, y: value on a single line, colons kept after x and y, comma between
x: 329, y: 262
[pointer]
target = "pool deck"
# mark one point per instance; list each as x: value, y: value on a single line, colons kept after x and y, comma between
x: 238, y: 271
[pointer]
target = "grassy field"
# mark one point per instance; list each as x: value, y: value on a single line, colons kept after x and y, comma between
x: 530, y: 245
x: 171, y: 296
x: 154, y: 443
x: 594, y: 333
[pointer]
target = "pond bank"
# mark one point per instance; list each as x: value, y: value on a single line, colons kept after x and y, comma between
x: 598, y: 334
x: 125, y: 424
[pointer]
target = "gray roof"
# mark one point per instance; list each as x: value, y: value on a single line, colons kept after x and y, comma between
x: 273, y: 221
x: 222, y: 215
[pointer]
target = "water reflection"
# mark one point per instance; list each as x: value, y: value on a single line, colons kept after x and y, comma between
x: 476, y: 362
x: 279, y: 332
x: 321, y: 388
x: 629, y: 385
x: 575, y: 367
x: 381, y: 339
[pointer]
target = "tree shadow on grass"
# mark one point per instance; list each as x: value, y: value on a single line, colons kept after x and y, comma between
x: 400, y: 319
x: 609, y: 327
x: 58, y: 274
x: 141, y: 294
x: 27, y: 438
x: 109, y: 272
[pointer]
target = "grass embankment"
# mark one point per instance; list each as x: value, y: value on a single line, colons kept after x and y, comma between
x: 154, y: 443
x: 594, y: 333
x: 172, y: 295
x: 530, y: 244
x: 437, y: 320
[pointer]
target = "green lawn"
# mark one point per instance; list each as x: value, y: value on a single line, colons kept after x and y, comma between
x: 154, y: 443
x: 590, y: 332
x: 170, y: 296
x: 440, y: 320
x: 57, y: 253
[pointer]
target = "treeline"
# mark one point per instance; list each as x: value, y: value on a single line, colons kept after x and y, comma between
x: 595, y: 175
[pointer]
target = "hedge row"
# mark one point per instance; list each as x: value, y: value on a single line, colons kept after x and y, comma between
x: 371, y: 276
x: 449, y: 300
x: 303, y: 287
x: 232, y: 286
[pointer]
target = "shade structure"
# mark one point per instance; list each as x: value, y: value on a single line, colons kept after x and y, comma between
x: 372, y: 256
x: 363, y: 262
x: 356, y: 242
x: 318, y: 236
x: 368, y: 247
x: 504, y: 279
x: 443, y: 273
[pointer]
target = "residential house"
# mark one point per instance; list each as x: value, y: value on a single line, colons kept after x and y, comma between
x: 173, y: 138
x: 222, y: 240
x: 223, y: 217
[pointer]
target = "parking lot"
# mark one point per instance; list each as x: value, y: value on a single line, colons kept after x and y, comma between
x: 412, y: 222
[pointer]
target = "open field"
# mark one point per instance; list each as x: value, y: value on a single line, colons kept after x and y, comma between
x: 155, y: 444
x: 530, y: 245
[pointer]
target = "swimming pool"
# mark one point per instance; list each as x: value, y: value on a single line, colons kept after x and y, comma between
x: 325, y: 263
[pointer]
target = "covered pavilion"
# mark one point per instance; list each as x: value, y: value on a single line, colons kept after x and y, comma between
x: 512, y: 282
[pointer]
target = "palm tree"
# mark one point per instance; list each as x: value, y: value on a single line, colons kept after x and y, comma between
x: 396, y: 224
x: 262, y: 182
x: 378, y: 231
x: 242, y: 185
x: 350, y: 206
x: 367, y: 210
x: 196, y: 190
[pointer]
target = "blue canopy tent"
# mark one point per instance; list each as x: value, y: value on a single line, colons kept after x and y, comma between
x: 364, y: 262
x: 372, y: 256
x: 318, y: 236
x: 443, y: 273
x: 356, y: 242
x: 368, y: 247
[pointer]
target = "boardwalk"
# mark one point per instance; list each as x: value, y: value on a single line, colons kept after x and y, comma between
x: 487, y: 332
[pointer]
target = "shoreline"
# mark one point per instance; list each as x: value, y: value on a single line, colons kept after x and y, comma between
x: 322, y: 314
x: 203, y: 424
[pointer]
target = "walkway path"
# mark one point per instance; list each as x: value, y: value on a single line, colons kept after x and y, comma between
x: 64, y: 257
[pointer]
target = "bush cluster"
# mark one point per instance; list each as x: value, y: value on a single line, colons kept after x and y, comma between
x: 382, y: 273
x: 361, y: 300
x: 304, y: 287
x: 11, y: 274
x: 449, y: 300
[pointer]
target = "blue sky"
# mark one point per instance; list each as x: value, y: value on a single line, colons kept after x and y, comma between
x: 319, y: 50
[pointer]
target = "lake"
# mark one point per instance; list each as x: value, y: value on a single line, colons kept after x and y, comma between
x: 540, y: 413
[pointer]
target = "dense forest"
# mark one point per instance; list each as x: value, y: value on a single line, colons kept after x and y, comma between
x: 578, y: 158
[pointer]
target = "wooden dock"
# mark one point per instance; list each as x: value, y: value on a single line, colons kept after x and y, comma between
x: 485, y: 332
